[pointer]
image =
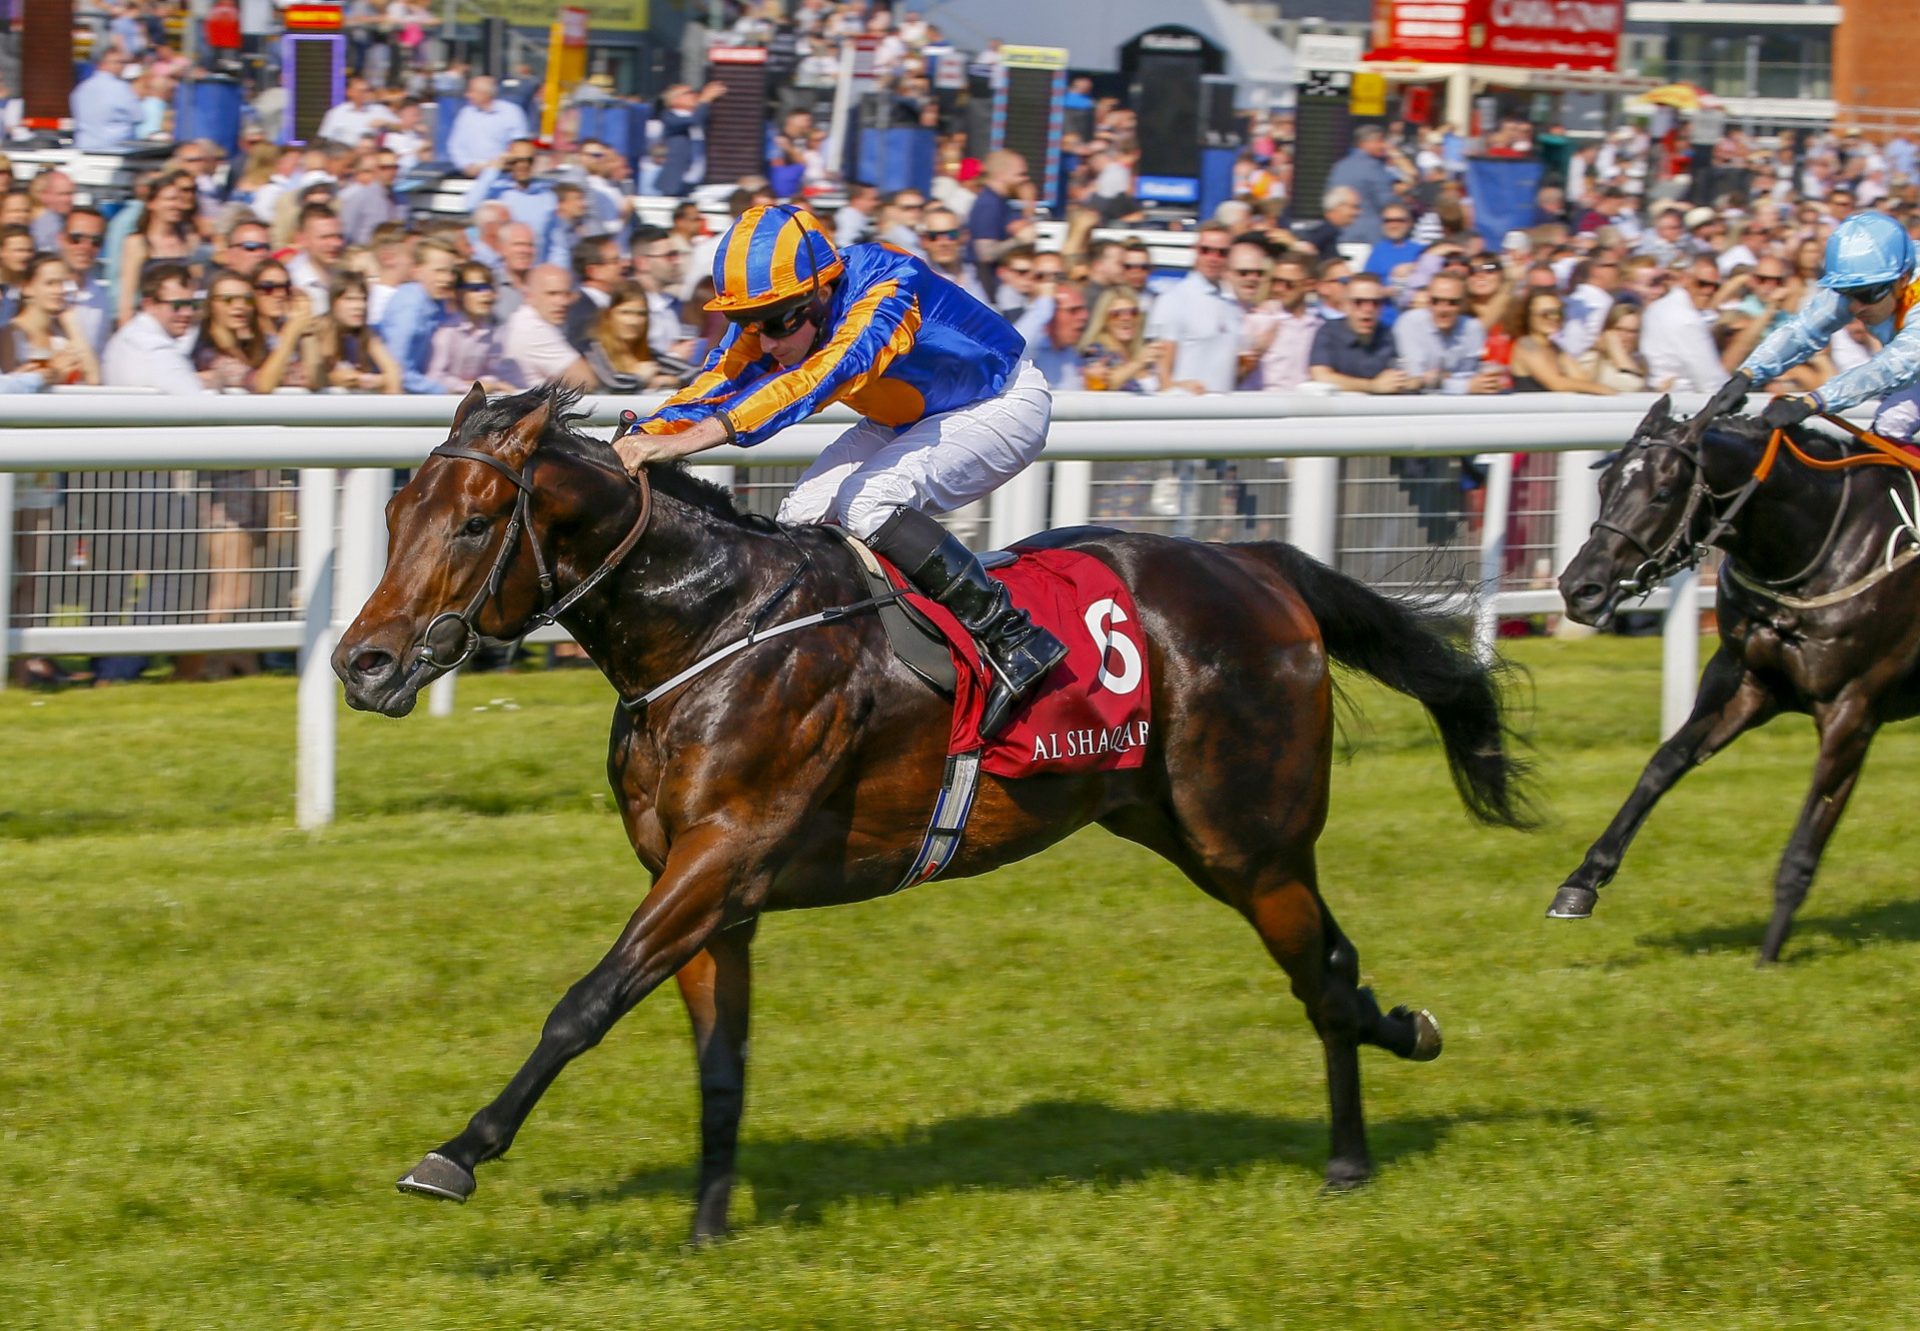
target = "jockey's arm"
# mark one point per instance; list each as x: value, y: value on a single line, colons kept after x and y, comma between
x: 1896, y: 365
x: 753, y: 404
x: 1799, y: 339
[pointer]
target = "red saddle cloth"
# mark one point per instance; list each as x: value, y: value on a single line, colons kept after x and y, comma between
x: 1093, y: 712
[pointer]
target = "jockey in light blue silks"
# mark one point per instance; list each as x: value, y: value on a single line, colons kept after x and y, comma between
x: 1870, y: 277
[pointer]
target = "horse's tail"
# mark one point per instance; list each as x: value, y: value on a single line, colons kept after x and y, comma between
x: 1412, y: 649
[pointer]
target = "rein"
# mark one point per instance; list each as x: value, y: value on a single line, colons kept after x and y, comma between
x: 440, y: 650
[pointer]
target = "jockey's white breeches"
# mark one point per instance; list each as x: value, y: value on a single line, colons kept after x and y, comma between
x: 1898, y: 418
x: 935, y: 465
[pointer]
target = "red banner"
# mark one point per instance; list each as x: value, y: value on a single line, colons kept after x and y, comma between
x: 1541, y: 34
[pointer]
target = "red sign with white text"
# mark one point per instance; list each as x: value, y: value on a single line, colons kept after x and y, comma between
x: 1540, y: 34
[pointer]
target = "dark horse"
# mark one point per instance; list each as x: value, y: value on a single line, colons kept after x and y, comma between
x: 801, y: 773
x: 1817, y: 602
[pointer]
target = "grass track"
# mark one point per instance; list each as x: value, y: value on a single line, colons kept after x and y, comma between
x: 1071, y: 1094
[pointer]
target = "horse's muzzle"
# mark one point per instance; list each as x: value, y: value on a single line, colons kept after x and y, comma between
x: 1588, y: 601
x: 373, y: 679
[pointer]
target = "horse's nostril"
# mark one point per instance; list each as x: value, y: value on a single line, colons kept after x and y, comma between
x: 371, y: 663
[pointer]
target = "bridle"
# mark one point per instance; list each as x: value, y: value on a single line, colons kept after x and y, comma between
x: 451, y: 636
x: 1682, y: 551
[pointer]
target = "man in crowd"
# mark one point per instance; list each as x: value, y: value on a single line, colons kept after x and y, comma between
x: 1194, y: 329
x: 319, y: 243
x: 995, y: 224
x: 53, y: 193
x: 370, y: 199
x: 1052, y: 328
x: 1439, y: 346
x: 598, y: 273
x: 90, y: 299
x: 858, y: 217
x: 942, y: 239
x: 356, y: 121
x: 1596, y: 279
x: 1676, y: 336
x: 148, y: 351
x: 106, y: 110
x: 510, y: 183
x: 417, y: 310
x: 519, y: 256
x: 245, y: 246
x: 1364, y: 170
x: 656, y: 266
x: 1355, y: 354
x: 485, y: 128
x: 1282, y: 330
x: 1339, y: 211
x: 535, y: 336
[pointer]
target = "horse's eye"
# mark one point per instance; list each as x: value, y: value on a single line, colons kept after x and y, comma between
x: 1663, y: 494
x: 475, y: 525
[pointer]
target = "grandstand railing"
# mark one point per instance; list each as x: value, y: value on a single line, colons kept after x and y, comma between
x: 131, y: 525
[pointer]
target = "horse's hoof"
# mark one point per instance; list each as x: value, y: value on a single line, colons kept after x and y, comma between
x: 1345, y: 1176
x: 1572, y: 903
x: 1426, y: 1033
x: 437, y: 1176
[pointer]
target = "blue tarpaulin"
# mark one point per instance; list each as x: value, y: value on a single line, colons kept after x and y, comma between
x: 1502, y: 189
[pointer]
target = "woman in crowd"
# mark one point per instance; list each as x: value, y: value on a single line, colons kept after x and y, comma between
x: 16, y: 208
x: 45, y: 327
x: 166, y: 231
x: 1489, y: 294
x: 1614, y: 361
x: 284, y: 316
x: 229, y: 349
x: 467, y: 349
x: 1538, y: 364
x: 1809, y: 262
x: 1113, y: 353
x: 343, y: 351
x: 618, y: 352
x: 263, y: 159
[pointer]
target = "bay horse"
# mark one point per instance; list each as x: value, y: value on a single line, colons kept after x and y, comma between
x: 1817, y: 606
x: 802, y: 773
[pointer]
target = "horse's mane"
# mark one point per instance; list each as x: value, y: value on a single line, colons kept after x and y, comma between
x: 563, y: 435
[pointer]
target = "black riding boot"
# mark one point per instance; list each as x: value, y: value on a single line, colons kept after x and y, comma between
x: 1020, y: 651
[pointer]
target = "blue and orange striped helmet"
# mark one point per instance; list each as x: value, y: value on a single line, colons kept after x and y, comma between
x: 772, y: 256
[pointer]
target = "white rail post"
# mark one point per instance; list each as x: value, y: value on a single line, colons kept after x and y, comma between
x: 1313, y: 506
x: 440, y: 694
x: 6, y: 576
x: 1072, y: 494
x: 1493, y: 552
x: 1577, y: 505
x: 1680, y: 652
x: 364, y: 493
x: 318, y: 692
x: 1019, y: 508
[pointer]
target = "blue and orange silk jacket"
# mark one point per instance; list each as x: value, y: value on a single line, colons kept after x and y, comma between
x: 1895, y: 365
x: 901, y: 343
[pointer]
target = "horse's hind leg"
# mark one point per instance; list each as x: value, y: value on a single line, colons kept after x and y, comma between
x: 1846, y: 730
x: 716, y: 986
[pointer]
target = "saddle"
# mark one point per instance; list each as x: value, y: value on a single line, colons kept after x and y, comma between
x: 916, y: 641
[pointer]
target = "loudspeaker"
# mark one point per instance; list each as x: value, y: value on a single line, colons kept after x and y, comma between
x: 1167, y: 92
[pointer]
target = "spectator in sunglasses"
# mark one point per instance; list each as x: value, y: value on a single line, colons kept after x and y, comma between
x: 1282, y: 329
x: 245, y: 245
x: 230, y: 347
x: 945, y: 244
x: 90, y: 299
x: 1356, y: 354
x: 146, y: 352
x: 1195, y: 324
x: 467, y: 349
x: 510, y: 183
x: 1676, y: 336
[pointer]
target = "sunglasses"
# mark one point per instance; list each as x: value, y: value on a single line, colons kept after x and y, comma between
x: 233, y: 298
x: 1210, y: 249
x: 1249, y: 272
x: 476, y: 286
x: 949, y: 234
x: 519, y: 161
x: 1447, y: 300
x: 272, y: 288
x: 1872, y: 295
x: 85, y: 238
x: 1705, y: 285
x: 1366, y: 301
x: 250, y: 246
x: 1125, y: 311
x: 183, y: 304
x: 1396, y: 221
x: 1137, y: 267
x: 1766, y: 277
x: 1020, y: 272
x: 779, y: 325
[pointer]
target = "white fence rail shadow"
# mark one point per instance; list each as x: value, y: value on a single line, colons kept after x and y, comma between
x: 1369, y: 484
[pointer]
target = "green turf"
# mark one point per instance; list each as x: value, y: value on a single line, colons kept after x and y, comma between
x: 1074, y: 1093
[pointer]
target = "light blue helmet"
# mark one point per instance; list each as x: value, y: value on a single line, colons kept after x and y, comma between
x: 1866, y: 250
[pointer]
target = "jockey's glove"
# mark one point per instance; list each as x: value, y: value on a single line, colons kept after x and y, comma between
x: 1785, y: 411
x: 1730, y: 396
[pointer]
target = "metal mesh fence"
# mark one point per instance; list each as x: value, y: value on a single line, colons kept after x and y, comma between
x: 153, y: 547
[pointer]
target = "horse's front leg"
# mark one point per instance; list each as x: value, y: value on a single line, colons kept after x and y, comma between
x: 686, y: 907
x: 1846, y: 729
x: 1730, y: 702
x: 716, y: 986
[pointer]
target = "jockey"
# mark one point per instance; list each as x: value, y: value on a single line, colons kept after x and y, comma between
x: 951, y: 410
x: 1869, y: 276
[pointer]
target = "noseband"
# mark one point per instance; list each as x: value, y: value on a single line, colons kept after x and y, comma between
x: 451, y: 636
x: 1679, y: 551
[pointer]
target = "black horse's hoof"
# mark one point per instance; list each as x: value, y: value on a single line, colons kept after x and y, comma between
x: 1344, y: 1176
x: 1426, y: 1033
x: 1572, y: 903
x: 438, y: 1177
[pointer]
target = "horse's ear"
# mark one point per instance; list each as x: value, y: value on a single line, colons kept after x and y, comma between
x: 523, y: 436
x: 476, y: 397
x: 1658, y: 415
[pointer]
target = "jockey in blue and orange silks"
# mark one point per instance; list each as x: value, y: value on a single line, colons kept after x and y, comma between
x: 951, y: 411
x: 1870, y: 277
